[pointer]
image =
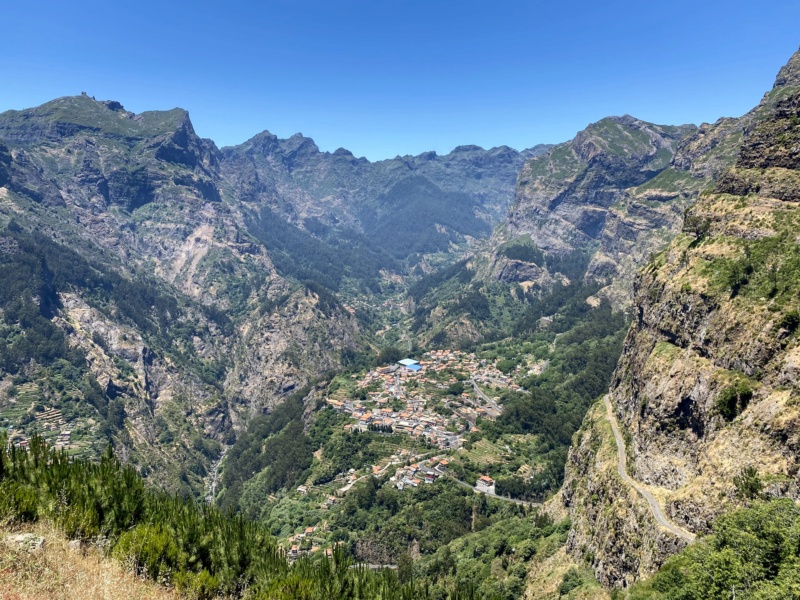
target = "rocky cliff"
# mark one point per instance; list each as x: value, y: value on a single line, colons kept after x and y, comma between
x: 140, y: 198
x: 616, y: 193
x: 707, y: 383
x: 591, y: 210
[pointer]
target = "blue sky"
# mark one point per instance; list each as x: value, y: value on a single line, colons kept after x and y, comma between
x: 383, y: 78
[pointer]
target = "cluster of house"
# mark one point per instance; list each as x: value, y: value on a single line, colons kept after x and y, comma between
x: 327, y: 503
x: 48, y: 420
x: 389, y: 384
x: 19, y: 440
x: 412, y: 418
x: 417, y: 474
x: 297, y: 547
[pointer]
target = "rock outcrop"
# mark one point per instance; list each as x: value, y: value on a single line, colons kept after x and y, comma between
x: 616, y: 193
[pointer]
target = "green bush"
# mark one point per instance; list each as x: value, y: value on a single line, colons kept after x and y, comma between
x: 753, y: 551
x: 200, y: 550
x: 748, y: 484
x: 572, y: 579
x: 790, y: 321
x: 732, y: 400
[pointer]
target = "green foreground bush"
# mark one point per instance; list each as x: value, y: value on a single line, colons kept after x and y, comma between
x: 753, y: 554
x: 196, y: 548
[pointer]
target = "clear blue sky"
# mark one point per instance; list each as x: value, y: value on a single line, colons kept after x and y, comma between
x: 383, y: 78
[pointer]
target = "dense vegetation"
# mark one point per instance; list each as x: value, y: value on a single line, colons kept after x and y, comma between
x: 581, y: 345
x: 524, y: 252
x: 325, y: 260
x: 200, y: 550
x: 498, y: 558
x: 273, y: 447
x: 752, y: 554
x: 383, y: 522
x: 405, y: 219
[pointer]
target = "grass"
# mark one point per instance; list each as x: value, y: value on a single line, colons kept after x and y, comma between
x: 559, y: 163
x: 56, y: 572
x: 620, y: 139
x: 672, y: 181
x: 85, y: 112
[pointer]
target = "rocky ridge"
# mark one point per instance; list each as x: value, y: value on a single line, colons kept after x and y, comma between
x: 707, y: 383
x: 617, y: 193
x: 142, y: 196
x: 336, y: 187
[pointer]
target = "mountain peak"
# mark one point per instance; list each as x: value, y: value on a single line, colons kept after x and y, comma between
x: 789, y: 75
x: 70, y: 115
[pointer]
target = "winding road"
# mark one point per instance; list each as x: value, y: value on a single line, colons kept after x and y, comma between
x: 655, y: 507
x: 492, y: 404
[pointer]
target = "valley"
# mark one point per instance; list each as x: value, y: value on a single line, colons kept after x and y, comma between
x: 564, y: 371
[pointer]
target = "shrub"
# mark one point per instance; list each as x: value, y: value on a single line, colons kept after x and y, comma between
x: 734, y: 399
x: 790, y: 321
x: 572, y: 579
x: 748, y: 484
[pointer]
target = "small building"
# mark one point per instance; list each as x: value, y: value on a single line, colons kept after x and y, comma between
x: 409, y: 364
x: 485, y: 484
x: 302, y: 490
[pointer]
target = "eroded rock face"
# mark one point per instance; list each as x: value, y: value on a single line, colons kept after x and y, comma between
x: 707, y: 382
x: 613, y: 531
x: 141, y: 195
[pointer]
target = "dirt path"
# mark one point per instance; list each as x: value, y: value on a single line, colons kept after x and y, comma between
x: 655, y: 507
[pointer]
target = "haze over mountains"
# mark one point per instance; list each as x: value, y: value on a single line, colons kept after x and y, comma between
x: 179, y: 300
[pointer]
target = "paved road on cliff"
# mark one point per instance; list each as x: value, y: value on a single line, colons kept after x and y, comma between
x: 655, y: 507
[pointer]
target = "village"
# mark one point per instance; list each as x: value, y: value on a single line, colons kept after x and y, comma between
x: 426, y: 399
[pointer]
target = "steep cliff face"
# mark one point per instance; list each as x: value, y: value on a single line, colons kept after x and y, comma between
x: 582, y: 196
x: 708, y: 379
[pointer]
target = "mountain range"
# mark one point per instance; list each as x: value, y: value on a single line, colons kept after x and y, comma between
x: 179, y: 300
